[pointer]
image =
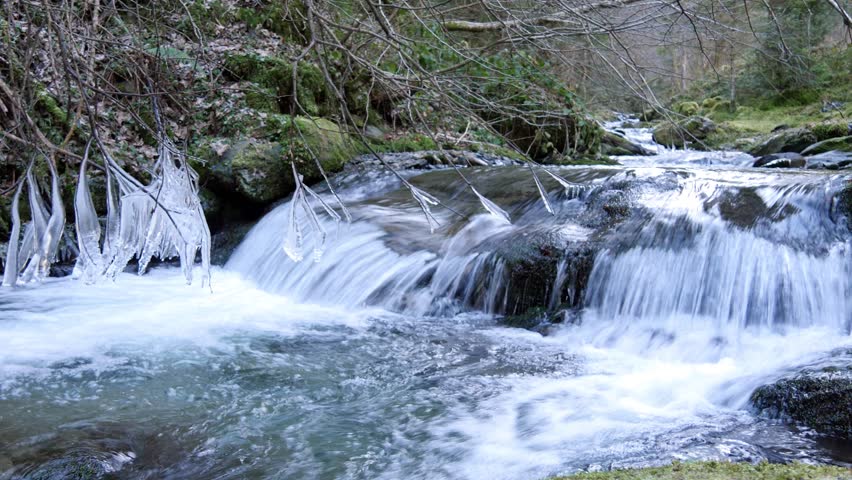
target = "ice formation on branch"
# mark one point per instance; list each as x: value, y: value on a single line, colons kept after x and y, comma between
x: 31, y: 261
x: 293, y: 241
x: 162, y: 219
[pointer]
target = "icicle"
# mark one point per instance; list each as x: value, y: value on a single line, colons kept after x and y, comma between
x: 10, y: 274
x: 492, y: 207
x: 32, y: 248
x: 89, y: 262
x: 425, y: 201
x: 112, y: 221
x: 541, y: 191
x: 38, y: 220
x: 293, y: 238
x: 572, y: 189
x: 55, y: 225
x: 163, y: 219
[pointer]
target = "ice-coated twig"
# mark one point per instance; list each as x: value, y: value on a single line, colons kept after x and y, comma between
x: 572, y: 189
x: 492, y: 207
x: 426, y: 201
x: 542, y: 193
x: 293, y: 240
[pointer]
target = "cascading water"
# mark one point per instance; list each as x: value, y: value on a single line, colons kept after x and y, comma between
x: 682, y: 288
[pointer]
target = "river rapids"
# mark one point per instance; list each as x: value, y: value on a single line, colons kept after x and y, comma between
x: 669, y: 289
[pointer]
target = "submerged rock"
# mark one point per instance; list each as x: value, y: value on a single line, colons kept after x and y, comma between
x: 614, y: 144
x: 820, y: 399
x: 781, y: 160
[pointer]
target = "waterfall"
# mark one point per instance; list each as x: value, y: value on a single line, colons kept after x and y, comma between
x: 660, y: 245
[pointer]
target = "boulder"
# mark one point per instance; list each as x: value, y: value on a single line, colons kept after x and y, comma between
x: 838, y: 144
x: 259, y: 171
x: 690, y: 131
x: 820, y: 399
x: 687, y: 108
x: 615, y: 144
x: 649, y: 115
x: 781, y: 160
x: 789, y: 140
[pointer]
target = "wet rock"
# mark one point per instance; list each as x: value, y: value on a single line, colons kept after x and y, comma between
x: 744, y: 208
x: 788, y: 140
x: 830, y: 161
x: 781, y: 160
x: 544, y: 271
x: 831, y: 106
x: 614, y: 144
x: 691, y: 131
x: 838, y: 144
x: 820, y: 399
x: 227, y: 240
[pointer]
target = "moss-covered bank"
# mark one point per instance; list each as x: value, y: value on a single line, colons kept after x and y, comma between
x: 722, y: 471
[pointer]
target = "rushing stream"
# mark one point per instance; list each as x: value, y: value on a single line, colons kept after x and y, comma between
x: 685, y: 281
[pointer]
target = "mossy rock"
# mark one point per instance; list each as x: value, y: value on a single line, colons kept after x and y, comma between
x: 709, y: 105
x: 691, y: 131
x: 262, y: 99
x: 825, y: 131
x: 649, y: 115
x: 687, y: 108
x: 259, y: 170
x: 722, y: 471
x: 274, y: 77
x: 839, y: 144
x: 788, y: 140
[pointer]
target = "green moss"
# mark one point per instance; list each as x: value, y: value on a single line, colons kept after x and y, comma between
x: 262, y: 99
x: 50, y: 106
x: 585, y: 160
x: 206, y: 16
x: 287, y: 19
x: 409, y: 142
x: 839, y: 144
x: 692, y: 131
x: 824, y: 131
x: 276, y: 75
x: 687, y: 108
x: 722, y: 471
x: 257, y: 167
